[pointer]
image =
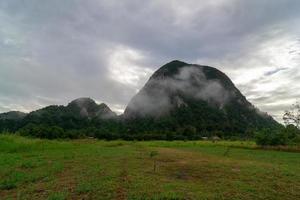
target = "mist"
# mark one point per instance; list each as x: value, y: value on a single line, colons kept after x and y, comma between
x: 161, y: 94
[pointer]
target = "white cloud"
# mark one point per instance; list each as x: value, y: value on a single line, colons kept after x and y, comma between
x: 123, y: 66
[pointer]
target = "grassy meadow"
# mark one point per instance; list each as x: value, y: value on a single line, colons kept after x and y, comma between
x: 93, y: 169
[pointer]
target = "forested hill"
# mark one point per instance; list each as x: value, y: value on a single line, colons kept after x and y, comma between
x: 180, y: 100
x: 180, y: 95
x: 78, y: 114
x: 71, y: 116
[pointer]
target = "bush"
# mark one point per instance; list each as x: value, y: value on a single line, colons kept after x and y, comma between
x: 291, y: 131
x: 269, y: 137
x: 73, y: 134
x: 279, y: 138
x: 42, y: 131
x: 102, y: 133
x: 296, y: 140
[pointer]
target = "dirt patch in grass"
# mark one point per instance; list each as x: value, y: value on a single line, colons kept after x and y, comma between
x: 66, y: 180
x: 192, y: 166
x: 121, y: 191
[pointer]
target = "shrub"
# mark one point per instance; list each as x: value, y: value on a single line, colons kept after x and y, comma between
x: 269, y: 137
x: 296, y: 140
x: 291, y: 131
x: 42, y: 131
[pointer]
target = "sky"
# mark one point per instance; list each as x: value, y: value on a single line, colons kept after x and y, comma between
x: 54, y: 51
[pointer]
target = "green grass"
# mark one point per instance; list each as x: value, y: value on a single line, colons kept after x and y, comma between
x: 91, y: 169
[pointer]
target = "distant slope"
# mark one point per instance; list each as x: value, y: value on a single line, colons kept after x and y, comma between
x: 87, y: 107
x: 12, y: 115
x: 76, y: 114
x: 11, y: 121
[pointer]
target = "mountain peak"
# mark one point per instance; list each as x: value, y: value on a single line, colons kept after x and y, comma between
x: 87, y: 107
x: 83, y: 101
x: 169, y: 69
x: 176, y: 62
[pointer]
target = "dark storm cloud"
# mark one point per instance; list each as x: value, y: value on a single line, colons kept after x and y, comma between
x: 54, y: 51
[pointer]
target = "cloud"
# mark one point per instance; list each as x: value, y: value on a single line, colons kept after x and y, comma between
x: 124, y: 66
x: 162, y: 93
x: 54, y: 51
x: 274, y: 71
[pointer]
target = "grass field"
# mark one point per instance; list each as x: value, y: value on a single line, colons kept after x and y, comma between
x: 90, y: 169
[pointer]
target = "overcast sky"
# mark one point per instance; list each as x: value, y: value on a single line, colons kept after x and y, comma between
x: 54, y: 51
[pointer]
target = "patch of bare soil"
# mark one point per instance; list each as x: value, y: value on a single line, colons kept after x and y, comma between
x: 121, y: 191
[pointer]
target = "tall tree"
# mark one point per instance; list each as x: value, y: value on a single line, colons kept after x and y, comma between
x: 292, y: 116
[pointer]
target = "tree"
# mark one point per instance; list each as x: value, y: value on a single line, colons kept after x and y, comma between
x: 291, y: 131
x: 271, y: 137
x: 292, y: 116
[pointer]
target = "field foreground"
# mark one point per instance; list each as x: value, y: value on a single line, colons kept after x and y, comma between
x: 92, y: 169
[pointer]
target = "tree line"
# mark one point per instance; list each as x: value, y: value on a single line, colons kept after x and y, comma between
x: 53, y: 126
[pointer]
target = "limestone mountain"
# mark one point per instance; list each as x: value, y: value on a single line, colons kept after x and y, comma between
x: 181, y: 94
